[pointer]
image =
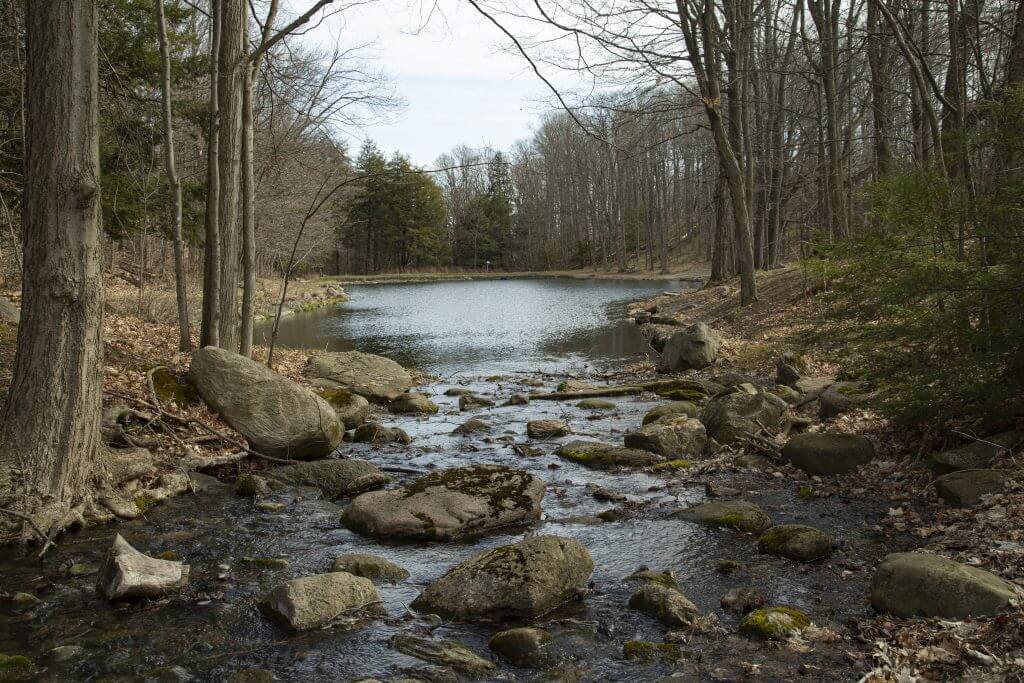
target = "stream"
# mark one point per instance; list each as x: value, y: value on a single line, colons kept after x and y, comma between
x: 214, y: 627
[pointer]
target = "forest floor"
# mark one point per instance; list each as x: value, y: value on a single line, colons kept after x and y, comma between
x: 887, y: 505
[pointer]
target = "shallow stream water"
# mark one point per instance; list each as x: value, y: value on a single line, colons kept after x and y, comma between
x: 214, y: 627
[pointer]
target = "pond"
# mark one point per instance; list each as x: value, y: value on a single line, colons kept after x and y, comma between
x: 482, y: 327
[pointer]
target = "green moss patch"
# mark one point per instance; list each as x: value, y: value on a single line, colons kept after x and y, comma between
x: 16, y: 668
x: 645, y: 650
x: 774, y: 623
x: 171, y: 388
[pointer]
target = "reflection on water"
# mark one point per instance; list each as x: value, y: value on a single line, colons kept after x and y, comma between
x: 482, y: 326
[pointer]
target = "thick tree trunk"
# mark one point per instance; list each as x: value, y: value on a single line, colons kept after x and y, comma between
x: 184, y: 334
x: 210, y: 332
x: 248, y: 217
x: 50, y: 431
x: 230, y: 76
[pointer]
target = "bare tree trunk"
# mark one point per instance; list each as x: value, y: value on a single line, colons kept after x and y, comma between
x: 185, y: 336
x: 50, y: 430
x: 231, y: 67
x: 210, y: 332
x: 248, y: 217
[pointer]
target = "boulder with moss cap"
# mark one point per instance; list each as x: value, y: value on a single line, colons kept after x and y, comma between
x: 828, y: 454
x: 740, y: 515
x: 451, y: 504
x: 520, y: 581
x: 735, y: 417
x: 796, y: 542
x: 603, y: 456
x: 774, y: 623
x: 315, y: 601
x: 673, y: 409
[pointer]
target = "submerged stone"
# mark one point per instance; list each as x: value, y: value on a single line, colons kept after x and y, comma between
x: 664, y: 603
x: 521, y: 646
x: 646, y: 650
x: 447, y: 653
x: 546, y: 429
x: 377, y: 569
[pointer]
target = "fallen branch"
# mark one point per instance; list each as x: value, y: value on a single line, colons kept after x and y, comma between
x: 47, y: 540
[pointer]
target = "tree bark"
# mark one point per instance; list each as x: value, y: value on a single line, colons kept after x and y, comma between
x: 50, y: 431
x: 248, y: 218
x: 230, y: 77
x: 210, y: 332
x: 184, y: 334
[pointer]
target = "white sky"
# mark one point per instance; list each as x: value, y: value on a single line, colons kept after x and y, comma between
x: 460, y: 84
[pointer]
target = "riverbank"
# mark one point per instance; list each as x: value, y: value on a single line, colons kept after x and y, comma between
x: 690, y: 272
x: 666, y: 503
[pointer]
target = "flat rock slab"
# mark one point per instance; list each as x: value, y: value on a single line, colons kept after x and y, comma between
x: 451, y: 504
x: 376, y: 378
x: 277, y: 416
x: 965, y: 488
x: 447, y: 653
x: 925, y: 585
x: 336, y: 478
x: 828, y: 454
x: 128, y: 574
x: 734, y: 514
x: 520, y: 581
x: 603, y: 456
x: 977, y: 455
x: 315, y: 601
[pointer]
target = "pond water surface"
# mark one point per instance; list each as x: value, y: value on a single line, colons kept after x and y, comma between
x: 482, y: 326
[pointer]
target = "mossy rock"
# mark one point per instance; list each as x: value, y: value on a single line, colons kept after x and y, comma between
x: 596, y: 404
x: 664, y: 603
x: 690, y: 395
x: 734, y: 514
x: 646, y: 651
x: 413, y: 403
x: 786, y: 393
x: 351, y: 408
x: 371, y: 567
x: 774, y: 623
x: 16, y: 668
x: 174, y: 389
x: 250, y: 486
x: 603, y: 456
x: 144, y: 501
x: 168, y: 555
x: 796, y: 542
x: 672, y: 465
x: 663, y: 578
x: 371, y: 432
x: 675, y: 408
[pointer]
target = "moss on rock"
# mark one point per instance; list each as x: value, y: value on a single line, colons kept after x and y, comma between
x: 774, y: 623
x: 645, y: 650
x: 16, y: 668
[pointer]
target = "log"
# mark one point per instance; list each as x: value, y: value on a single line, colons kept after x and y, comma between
x: 624, y: 390
x: 129, y: 574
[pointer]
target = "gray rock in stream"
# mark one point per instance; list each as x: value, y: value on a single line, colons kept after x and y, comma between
x: 377, y: 569
x: 128, y: 574
x: 664, y: 603
x: 314, y: 601
x: 351, y: 408
x: 277, y: 416
x: 336, y: 478
x: 524, y: 646
x: 735, y: 514
x: 412, y: 403
x: 448, y: 653
x: 604, y: 456
x: 925, y: 585
x: 671, y: 409
x: 376, y: 378
x: 671, y: 437
x: 371, y: 432
x: 520, y: 581
x: 796, y: 542
x: 451, y: 504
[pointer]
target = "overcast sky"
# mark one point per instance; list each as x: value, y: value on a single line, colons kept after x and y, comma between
x: 459, y: 85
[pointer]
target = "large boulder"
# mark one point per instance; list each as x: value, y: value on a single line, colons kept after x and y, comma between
x: 977, y: 455
x: 277, y: 416
x: 735, y: 514
x: 965, y: 488
x: 336, y: 478
x: 315, y: 601
x: 670, y: 437
x: 671, y: 409
x: 448, y: 505
x: 351, y: 408
x: 796, y: 542
x: 658, y: 335
x: 924, y: 585
x: 606, y: 456
x: 520, y: 581
x: 828, y: 454
x: 693, y: 348
x: 374, y: 377
x: 842, y: 397
x: 735, y: 417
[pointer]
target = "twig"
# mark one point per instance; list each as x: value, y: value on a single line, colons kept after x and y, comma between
x: 47, y: 540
